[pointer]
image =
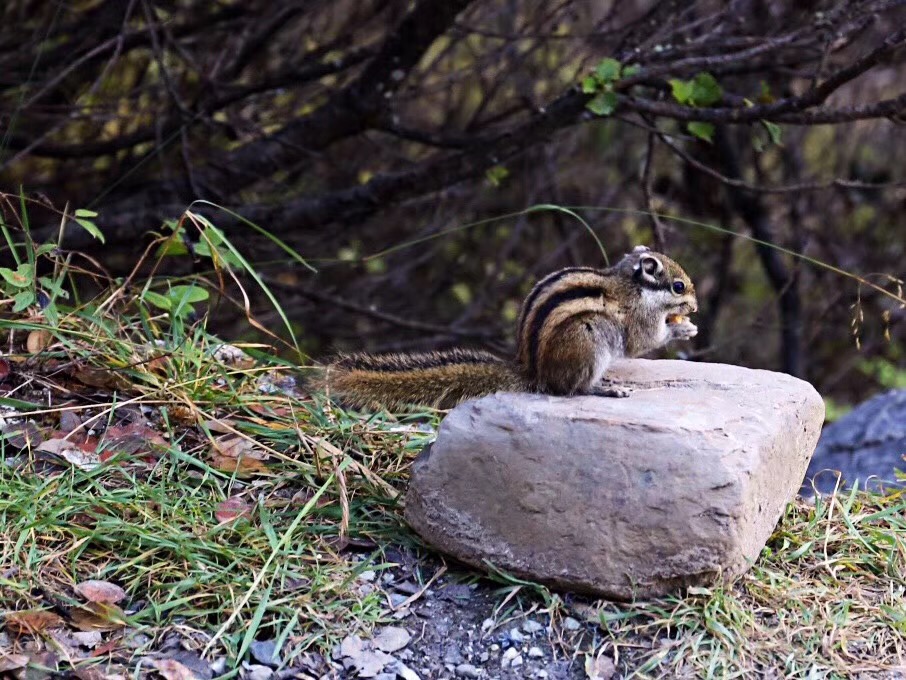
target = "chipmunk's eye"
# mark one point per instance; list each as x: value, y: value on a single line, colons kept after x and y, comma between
x: 679, y: 287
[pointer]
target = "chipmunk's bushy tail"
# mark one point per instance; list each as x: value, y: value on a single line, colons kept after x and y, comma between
x: 440, y: 379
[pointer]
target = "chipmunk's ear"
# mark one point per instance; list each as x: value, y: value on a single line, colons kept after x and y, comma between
x: 641, y: 249
x: 649, y: 269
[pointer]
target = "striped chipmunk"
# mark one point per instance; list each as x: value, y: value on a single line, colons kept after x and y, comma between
x: 573, y: 324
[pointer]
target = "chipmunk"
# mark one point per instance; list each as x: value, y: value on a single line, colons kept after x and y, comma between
x: 573, y: 324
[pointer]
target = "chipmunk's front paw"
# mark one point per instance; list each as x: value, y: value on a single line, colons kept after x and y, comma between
x: 608, y: 389
x: 680, y: 327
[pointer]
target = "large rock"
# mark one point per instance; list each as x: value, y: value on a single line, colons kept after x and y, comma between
x: 626, y: 498
x: 865, y: 447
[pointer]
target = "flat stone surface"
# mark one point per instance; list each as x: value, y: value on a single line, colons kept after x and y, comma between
x: 865, y: 446
x: 625, y: 498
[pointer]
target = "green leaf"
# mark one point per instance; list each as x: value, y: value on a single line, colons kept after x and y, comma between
x: 603, y: 104
x: 23, y: 277
x: 90, y: 227
x: 23, y: 299
x: 702, y: 130
x: 54, y: 287
x: 497, y: 174
x: 158, y: 300
x: 774, y: 131
x: 608, y: 70
x: 631, y: 70
x: 81, y: 212
x: 705, y: 90
x: 682, y: 90
x: 589, y: 85
x: 188, y: 294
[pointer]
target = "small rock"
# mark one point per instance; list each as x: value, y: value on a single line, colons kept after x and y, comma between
x: 406, y: 673
x: 467, y: 670
x: 368, y: 575
x: 255, y: 671
x: 407, y: 587
x: 531, y: 626
x: 392, y: 639
x: 368, y: 664
x: 265, y: 652
x: 453, y: 656
x: 541, y: 674
x: 571, y: 624
x: 495, y: 647
x: 509, y: 657
x: 483, y: 657
x: 396, y: 599
x: 516, y: 636
x: 487, y: 625
x: 535, y: 653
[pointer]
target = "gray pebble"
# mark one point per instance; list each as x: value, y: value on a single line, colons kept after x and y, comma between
x: 467, y: 670
x: 531, y: 627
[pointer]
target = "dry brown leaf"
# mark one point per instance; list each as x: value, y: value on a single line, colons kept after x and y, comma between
x: 134, y: 439
x: 38, y: 341
x: 5, y: 369
x: 101, y: 378
x: 242, y: 467
x: 233, y: 446
x: 90, y: 673
x: 221, y: 426
x: 171, y: 669
x: 69, y: 421
x: 32, y: 621
x: 232, y: 508
x: 98, y: 616
x: 83, y: 456
x: 11, y: 662
x: 22, y: 435
x: 101, y: 591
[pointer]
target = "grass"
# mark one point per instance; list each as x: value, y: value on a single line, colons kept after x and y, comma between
x: 317, y: 490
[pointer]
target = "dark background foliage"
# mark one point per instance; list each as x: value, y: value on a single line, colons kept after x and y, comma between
x: 346, y: 127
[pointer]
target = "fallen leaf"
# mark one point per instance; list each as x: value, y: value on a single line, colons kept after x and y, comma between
x: 84, y: 456
x: 11, y: 662
x: 101, y: 591
x: 5, y: 369
x: 38, y: 341
x: 392, y: 639
x: 600, y: 667
x: 222, y: 426
x: 171, y: 669
x: 91, y: 673
x: 241, y: 467
x: 101, y: 378
x: 233, y: 446
x: 32, y: 621
x: 22, y: 435
x: 232, y: 509
x: 69, y: 421
x: 98, y: 616
x: 89, y: 639
x: 134, y: 439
